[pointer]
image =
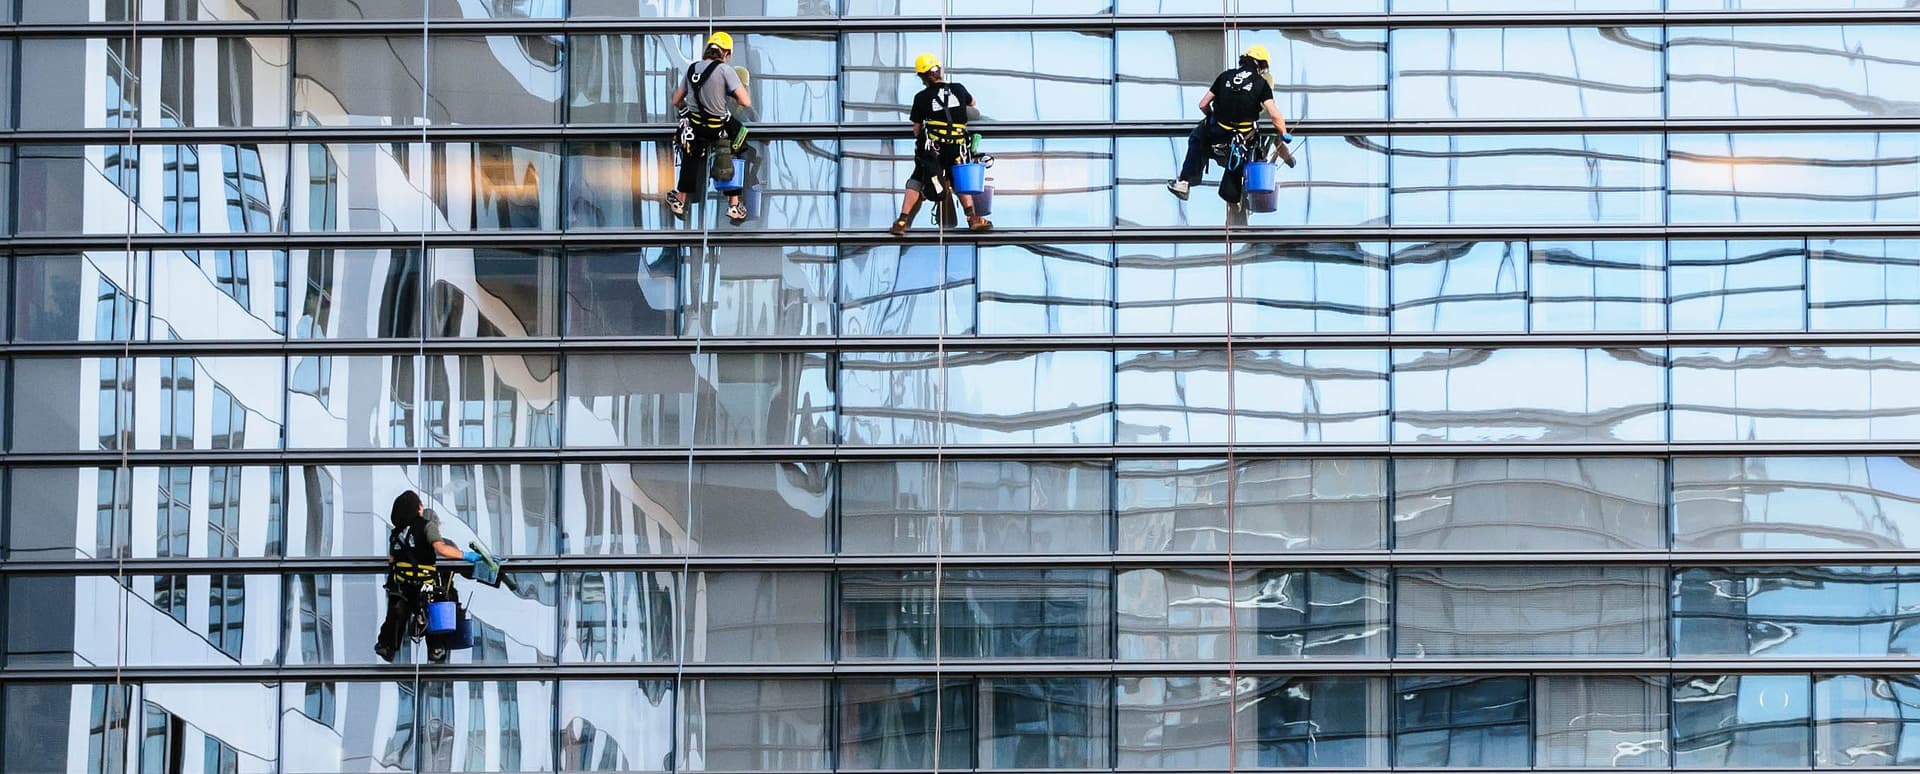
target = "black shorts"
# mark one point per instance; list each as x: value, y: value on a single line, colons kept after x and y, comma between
x: 930, y: 163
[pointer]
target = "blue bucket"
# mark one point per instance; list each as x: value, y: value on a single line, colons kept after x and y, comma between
x: 752, y: 200
x: 462, y: 636
x: 739, y: 177
x: 1263, y: 201
x: 1262, y: 177
x: 983, y: 202
x: 969, y: 178
x: 442, y: 617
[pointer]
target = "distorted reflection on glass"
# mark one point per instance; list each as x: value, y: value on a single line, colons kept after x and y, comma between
x: 495, y: 79
x: 347, y: 293
x: 359, y: 81
x: 353, y: 402
x: 1315, y: 722
x: 1863, y: 284
x: 1525, y: 6
x: 493, y: 292
x: 700, y: 8
x: 1320, y: 74
x: 1796, y: 611
x: 1280, y: 505
x: 1788, y: 503
x: 1576, y: 178
x: 1171, y: 287
x: 199, y: 620
x: 1796, y: 393
x: 1028, y: 397
x: 58, y: 74
x: 362, y: 187
x: 1598, y: 286
x: 1459, y: 286
x: 890, y: 397
x: 889, y: 723
x: 616, y: 725
x: 486, y: 186
x: 723, y: 399
x: 316, y: 713
x: 1303, y: 614
x: 1851, y: 177
x: 758, y: 290
x: 765, y: 617
x: 211, y: 402
x: 329, y: 622
x: 515, y: 625
x: 127, y: 10
x: 492, y: 401
x: 1173, y: 615
x: 1171, y: 396
x: 1027, y: 613
x: 1313, y: 287
x: 476, y: 725
x: 363, y: 9
x: 86, y: 727
x: 1461, y: 722
x: 983, y: 506
x: 72, y: 404
x: 1309, y: 395
x: 1045, y: 289
x: 923, y: 290
x: 1551, y: 395
x: 753, y: 725
x: 91, y: 296
x: 732, y: 508
x: 1527, y: 72
x: 1179, y: 722
x: 623, y: 292
x: 1738, y: 284
x: 1742, y: 721
x: 220, y: 294
x: 67, y: 622
x: 85, y: 513
x: 1601, y: 722
x: 1529, y: 504
x: 619, y: 617
x: 1860, y: 721
x: 1570, y: 612
x: 1794, y: 71
x: 618, y: 184
x: 78, y: 189
x: 1340, y: 181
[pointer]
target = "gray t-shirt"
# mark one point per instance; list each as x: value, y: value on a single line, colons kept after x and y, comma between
x: 714, y: 91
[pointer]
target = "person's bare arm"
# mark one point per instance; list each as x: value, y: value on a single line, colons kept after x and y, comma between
x: 1279, y: 121
x: 1206, y: 101
x: 740, y: 95
x: 447, y: 551
x: 680, y: 98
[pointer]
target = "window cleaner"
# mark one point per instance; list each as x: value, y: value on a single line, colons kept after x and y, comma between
x: 941, y: 142
x: 1228, y: 132
x: 414, y: 578
x: 708, y: 128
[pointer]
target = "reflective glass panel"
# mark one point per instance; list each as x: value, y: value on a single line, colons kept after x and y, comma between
x: 753, y: 725
x: 1527, y: 72
x: 1742, y: 721
x: 1601, y: 722
x: 1529, y: 504
x: 1168, y: 288
x: 624, y: 78
x: 1593, y: 178
x: 1863, y: 284
x: 1317, y: 287
x: 1315, y: 722
x: 518, y: 9
x: 765, y: 617
x: 1309, y: 395
x: 1598, y: 286
x: 92, y: 296
x: 354, y: 294
x: 486, y: 725
x: 495, y: 79
x: 1292, y: 614
x: 366, y: 9
x: 917, y: 290
x: 1027, y: 397
x: 1459, y: 286
x: 888, y: 723
x: 1796, y: 612
x: 359, y: 80
x: 1788, y: 503
x: 624, y: 293
x: 735, y: 508
x: 197, y: 620
x: 124, y: 10
x: 981, y: 506
x: 1524, y: 6
x: 1281, y: 505
x: 117, y: 728
x: 1451, y: 612
x: 1551, y: 395
x: 619, y: 617
x: 490, y: 186
x: 1738, y: 285
x: 69, y: 622
x: 1173, y: 615
x: 80, y: 513
x: 511, y: 625
x: 78, y: 83
x: 342, y: 510
x: 1058, y: 76
x: 1042, y: 722
x: 1862, y: 721
x: 790, y: 185
x: 1340, y: 181
x: 1062, y: 182
x: 1173, y: 722
x: 698, y: 8
x: 618, y: 184
x: 1795, y: 393
x: 491, y: 292
x: 77, y: 189
x: 724, y: 399
x: 353, y: 402
x: 1797, y: 71
x: 1461, y: 722
x: 982, y: 614
x: 362, y: 187
x: 1853, y: 177
x: 760, y: 291
x: 219, y: 294
x: 1172, y: 396
x: 317, y: 715
x: 616, y: 725
x: 1044, y: 289
x: 496, y: 401
x: 72, y: 404
x: 332, y: 619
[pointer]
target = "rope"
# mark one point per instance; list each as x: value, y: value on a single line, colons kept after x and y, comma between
x: 685, y: 583
x: 940, y: 443
x: 1233, y: 612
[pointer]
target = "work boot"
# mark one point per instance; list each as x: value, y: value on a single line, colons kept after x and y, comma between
x: 737, y: 213
x: 1179, y: 188
x: 978, y: 223
x: 899, y: 226
x: 386, y: 653
x: 676, y: 204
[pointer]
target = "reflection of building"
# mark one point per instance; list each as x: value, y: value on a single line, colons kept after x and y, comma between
x: 1555, y: 418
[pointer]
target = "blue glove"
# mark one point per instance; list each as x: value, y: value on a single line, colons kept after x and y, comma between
x: 1286, y: 137
x: 471, y: 556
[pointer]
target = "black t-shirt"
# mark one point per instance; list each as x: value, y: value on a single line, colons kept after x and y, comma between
x: 413, y: 541
x: 942, y: 101
x: 1238, y: 96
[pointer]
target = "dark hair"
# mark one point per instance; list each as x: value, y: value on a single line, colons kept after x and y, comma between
x: 406, y: 507
x: 714, y: 52
x: 931, y: 77
x: 1251, y: 63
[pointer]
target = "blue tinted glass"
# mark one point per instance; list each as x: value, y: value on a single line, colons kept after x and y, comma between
x: 1796, y: 612
x: 1527, y: 72
x: 1340, y: 181
x: 1864, y: 721
x: 758, y: 290
x: 1794, y: 71
x: 1461, y: 722
x: 1738, y: 285
x: 1595, y: 178
x: 1551, y: 395
x: 1046, y: 289
x: 1787, y: 503
x: 1029, y: 397
x: 1171, y: 396
x: 1316, y: 722
x: 1459, y: 286
x: 1598, y: 286
x: 899, y: 291
x: 1855, y: 177
x: 1316, y: 287
x: 1310, y: 395
x: 1864, y: 284
x: 1742, y: 721
x: 1795, y: 394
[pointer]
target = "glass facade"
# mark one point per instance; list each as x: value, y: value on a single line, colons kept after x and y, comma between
x: 1560, y: 415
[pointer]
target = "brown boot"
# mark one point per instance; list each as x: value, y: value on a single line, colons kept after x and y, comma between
x: 978, y: 223
x: 899, y: 226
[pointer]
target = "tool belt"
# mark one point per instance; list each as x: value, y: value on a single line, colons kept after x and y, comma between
x: 412, y: 573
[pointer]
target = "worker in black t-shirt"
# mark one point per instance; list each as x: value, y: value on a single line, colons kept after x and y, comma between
x: 414, y: 575
x: 1233, y: 107
x: 941, y: 140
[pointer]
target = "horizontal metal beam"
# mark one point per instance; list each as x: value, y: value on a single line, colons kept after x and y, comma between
x: 852, y: 238
x: 828, y: 453
x: 897, y: 130
x: 1009, y: 22
x: 853, y: 562
x: 957, y: 670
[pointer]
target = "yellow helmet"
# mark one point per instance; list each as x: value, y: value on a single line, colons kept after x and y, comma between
x: 722, y: 40
x: 1258, y: 52
x: 925, y: 63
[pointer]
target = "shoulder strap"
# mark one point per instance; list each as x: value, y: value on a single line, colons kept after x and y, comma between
x: 946, y: 90
x: 712, y: 64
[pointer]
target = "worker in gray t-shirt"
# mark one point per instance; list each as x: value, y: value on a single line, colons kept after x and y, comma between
x: 706, y: 122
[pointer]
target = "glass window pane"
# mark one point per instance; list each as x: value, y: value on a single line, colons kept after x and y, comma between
x: 48, y: 417
x: 362, y: 187
x: 93, y: 296
x: 619, y: 617
x: 1062, y: 289
x: 623, y: 78
x: 888, y: 723
x: 341, y: 510
x: 759, y: 291
x: 62, y: 728
x: 618, y: 184
x: 365, y: 9
x: 1043, y: 723
x: 1028, y: 397
x: 1025, y: 614
x: 226, y: 82
x: 753, y: 725
x: 768, y: 617
x: 1547, y: 395
x: 623, y: 293
x: 489, y: 186
x: 790, y: 185
x: 495, y: 79
x: 362, y: 81
x: 317, y: 714
x: 973, y: 507
x: 493, y: 292
x: 1602, y: 722
x: 486, y: 725
x: 1795, y: 393
x: 617, y: 725
x: 1797, y: 71
x: 1796, y: 612
x: 1061, y: 76
x: 1598, y: 286
x: 124, y: 10
x: 1169, y: 288
x: 78, y: 83
x: 887, y: 615
x: 1172, y: 396
x: 1742, y: 721
x: 1173, y: 722
x: 726, y: 399
x: 916, y: 290
x: 77, y: 189
x: 220, y: 294
x: 1594, y: 178
x: 1864, y: 284
x: 1173, y: 615
x: 520, y: 9
x: 1853, y: 177
x: 1459, y: 286
x: 1315, y: 722
x: 69, y: 622
x: 736, y: 508
x: 1316, y: 287
x: 353, y: 402
x: 1863, y: 721
x: 1293, y: 614
x: 1523, y: 6
x: 1527, y: 72
x: 332, y: 619
x: 1037, y: 183
x: 1451, y: 612
x: 196, y: 620
x: 1461, y: 722
x: 1340, y: 181
x: 700, y: 8
x: 81, y: 513
x: 1529, y: 504
x: 1281, y: 505
x: 355, y: 294
x: 1738, y: 285
x: 1310, y: 395
x: 1795, y: 503
x: 492, y: 401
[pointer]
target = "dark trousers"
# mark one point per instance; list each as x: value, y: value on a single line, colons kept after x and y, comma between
x: 405, y: 600
x: 1200, y: 148
x: 694, y: 155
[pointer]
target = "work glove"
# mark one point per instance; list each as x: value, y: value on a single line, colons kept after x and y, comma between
x: 471, y: 556
x: 1286, y: 137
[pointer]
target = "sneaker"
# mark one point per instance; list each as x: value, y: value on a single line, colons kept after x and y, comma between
x: 737, y: 213
x: 385, y: 653
x: 899, y: 226
x: 677, y: 204
x: 1180, y: 188
x: 978, y: 223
